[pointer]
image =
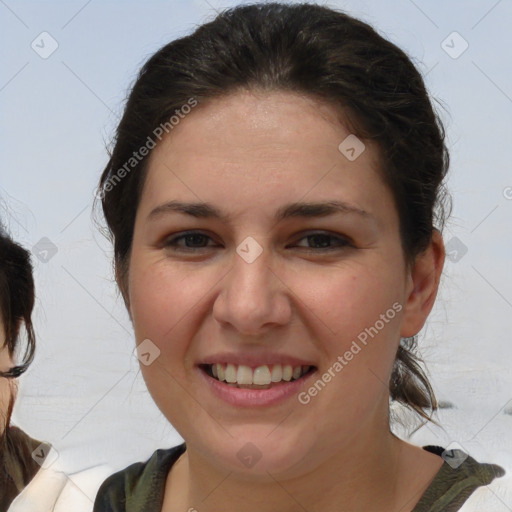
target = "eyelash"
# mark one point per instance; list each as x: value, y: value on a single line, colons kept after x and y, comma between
x: 342, y: 242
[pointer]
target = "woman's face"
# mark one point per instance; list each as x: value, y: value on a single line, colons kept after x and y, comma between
x: 267, y: 282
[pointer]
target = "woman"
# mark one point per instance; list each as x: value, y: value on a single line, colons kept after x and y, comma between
x: 17, y: 466
x: 275, y: 198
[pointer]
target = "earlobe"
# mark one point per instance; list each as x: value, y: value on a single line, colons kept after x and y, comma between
x: 423, y: 283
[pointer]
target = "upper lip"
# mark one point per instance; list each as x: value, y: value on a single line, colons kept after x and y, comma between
x: 254, y: 360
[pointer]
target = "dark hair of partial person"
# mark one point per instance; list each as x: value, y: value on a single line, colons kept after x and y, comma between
x: 320, y: 53
x: 17, y: 466
x: 16, y: 305
x: 16, y: 301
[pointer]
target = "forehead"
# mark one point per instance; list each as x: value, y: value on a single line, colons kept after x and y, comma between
x: 260, y: 143
x: 262, y: 125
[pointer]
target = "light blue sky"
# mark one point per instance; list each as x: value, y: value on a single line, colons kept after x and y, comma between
x: 57, y: 113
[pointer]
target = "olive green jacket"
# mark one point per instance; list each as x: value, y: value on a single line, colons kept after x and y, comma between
x: 140, y: 487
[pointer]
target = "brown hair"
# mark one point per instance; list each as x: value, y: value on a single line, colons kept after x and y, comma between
x: 312, y: 50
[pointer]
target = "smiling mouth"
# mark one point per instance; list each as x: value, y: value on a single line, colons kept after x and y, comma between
x: 261, y: 377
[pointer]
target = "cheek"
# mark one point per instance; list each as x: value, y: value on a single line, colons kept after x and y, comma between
x: 348, y: 301
x: 357, y: 315
x: 154, y: 298
x: 152, y: 302
x: 164, y: 300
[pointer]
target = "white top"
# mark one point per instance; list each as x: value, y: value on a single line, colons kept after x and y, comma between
x: 52, y: 490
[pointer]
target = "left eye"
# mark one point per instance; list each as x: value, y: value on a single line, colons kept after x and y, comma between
x: 320, y: 241
x: 324, y: 240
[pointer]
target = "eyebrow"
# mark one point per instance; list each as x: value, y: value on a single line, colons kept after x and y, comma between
x: 312, y: 209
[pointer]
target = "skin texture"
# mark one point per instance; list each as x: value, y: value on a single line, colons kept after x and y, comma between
x: 6, y: 385
x: 249, y: 154
x: 6, y: 362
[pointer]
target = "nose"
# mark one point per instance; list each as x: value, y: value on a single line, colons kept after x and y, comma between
x: 253, y: 299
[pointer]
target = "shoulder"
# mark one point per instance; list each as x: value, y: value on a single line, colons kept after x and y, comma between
x: 497, y: 496
x: 19, y: 449
x: 140, y: 481
x: 54, y: 490
x: 18, y: 465
x: 460, y: 482
x: 21, y: 439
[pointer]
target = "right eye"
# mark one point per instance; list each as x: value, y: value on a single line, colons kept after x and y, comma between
x: 192, y: 239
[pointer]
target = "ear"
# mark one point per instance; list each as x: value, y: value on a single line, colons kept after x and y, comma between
x: 423, y: 282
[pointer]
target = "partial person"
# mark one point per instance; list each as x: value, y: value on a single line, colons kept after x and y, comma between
x: 32, y: 478
x: 17, y: 466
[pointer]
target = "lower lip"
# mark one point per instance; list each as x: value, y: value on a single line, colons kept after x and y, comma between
x: 241, y: 397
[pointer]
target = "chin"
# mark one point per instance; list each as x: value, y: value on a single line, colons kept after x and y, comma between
x: 253, y: 453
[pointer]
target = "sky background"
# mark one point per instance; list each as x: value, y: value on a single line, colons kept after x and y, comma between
x: 84, y: 392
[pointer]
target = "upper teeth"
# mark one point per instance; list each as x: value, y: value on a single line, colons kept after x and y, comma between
x: 261, y: 375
